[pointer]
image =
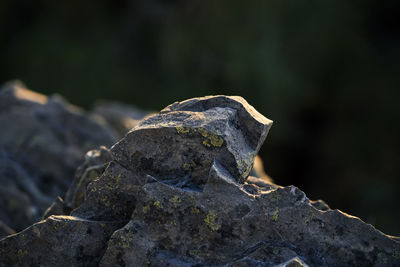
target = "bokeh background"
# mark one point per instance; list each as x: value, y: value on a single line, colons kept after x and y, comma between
x: 326, y: 72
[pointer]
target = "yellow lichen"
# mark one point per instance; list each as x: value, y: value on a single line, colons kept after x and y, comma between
x: 195, y: 210
x: 210, y: 220
x: 21, y: 253
x: 188, y: 166
x: 146, y: 208
x: 210, y: 138
x: 175, y: 200
x: 182, y: 130
x: 157, y: 204
x: 126, y: 239
x: 275, y: 214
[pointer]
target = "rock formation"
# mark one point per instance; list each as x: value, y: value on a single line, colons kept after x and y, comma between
x: 176, y: 191
x: 42, y: 142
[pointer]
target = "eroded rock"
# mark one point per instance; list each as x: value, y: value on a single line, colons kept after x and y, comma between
x: 157, y: 211
x: 43, y: 141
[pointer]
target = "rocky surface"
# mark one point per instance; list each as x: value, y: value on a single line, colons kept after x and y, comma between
x: 176, y: 191
x: 43, y: 141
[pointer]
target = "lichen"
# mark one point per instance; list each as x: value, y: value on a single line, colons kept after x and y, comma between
x: 175, y: 200
x: 182, y: 130
x: 396, y: 254
x: 211, y: 139
x: 210, y: 220
x: 383, y: 257
x: 146, y: 208
x: 126, y: 239
x: 189, y: 166
x: 275, y: 214
x: 195, y: 210
x: 21, y: 253
x: 157, y: 204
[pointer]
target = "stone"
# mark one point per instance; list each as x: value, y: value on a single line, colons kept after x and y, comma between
x: 185, y: 137
x: 147, y: 209
x: 44, y: 140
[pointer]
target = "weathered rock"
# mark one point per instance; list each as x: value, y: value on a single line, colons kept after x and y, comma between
x: 58, y: 241
x: 184, y: 139
x: 160, y: 212
x: 45, y: 138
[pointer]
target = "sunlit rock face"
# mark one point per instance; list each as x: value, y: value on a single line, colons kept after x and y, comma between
x: 176, y: 191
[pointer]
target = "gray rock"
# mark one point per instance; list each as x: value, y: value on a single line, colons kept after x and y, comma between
x: 44, y: 140
x: 157, y: 212
x: 186, y: 137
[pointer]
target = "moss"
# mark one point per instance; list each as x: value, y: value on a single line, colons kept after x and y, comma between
x: 146, y: 208
x: 210, y: 220
x: 182, y: 130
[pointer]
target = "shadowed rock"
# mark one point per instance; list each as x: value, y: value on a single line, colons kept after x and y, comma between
x: 150, y: 209
x: 44, y: 140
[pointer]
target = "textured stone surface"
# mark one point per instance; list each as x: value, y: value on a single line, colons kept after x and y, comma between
x: 43, y: 141
x: 147, y: 208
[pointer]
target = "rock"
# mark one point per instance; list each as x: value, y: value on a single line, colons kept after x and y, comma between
x: 120, y: 116
x: 46, y: 243
x: 148, y: 209
x: 45, y: 138
x: 184, y: 139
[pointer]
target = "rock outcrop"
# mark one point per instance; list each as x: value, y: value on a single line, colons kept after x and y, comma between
x: 43, y: 140
x: 176, y: 191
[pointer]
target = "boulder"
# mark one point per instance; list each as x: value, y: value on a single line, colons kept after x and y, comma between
x: 177, y: 193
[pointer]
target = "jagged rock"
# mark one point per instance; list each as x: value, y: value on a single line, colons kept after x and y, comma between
x: 184, y: 139
x: 45, y: 138
x: 159, y: 213
x: 120, y: 116
x: 46, y: 243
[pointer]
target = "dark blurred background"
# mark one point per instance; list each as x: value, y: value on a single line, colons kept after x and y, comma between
x: 327, y: 73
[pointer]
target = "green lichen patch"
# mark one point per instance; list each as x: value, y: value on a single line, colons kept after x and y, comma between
x: 195, y: 210
x: 175, y: 200
x: 275, y: 214
x: 157, y: 204
x: 382, y: 257
x: 182, y: 130
x: 396, y: 254
x: 146, y: 208
x: 210, y: 220
x: 125, y: 239
x: 189, y: 166
x: 211, y: 139
x: 21, y: 253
